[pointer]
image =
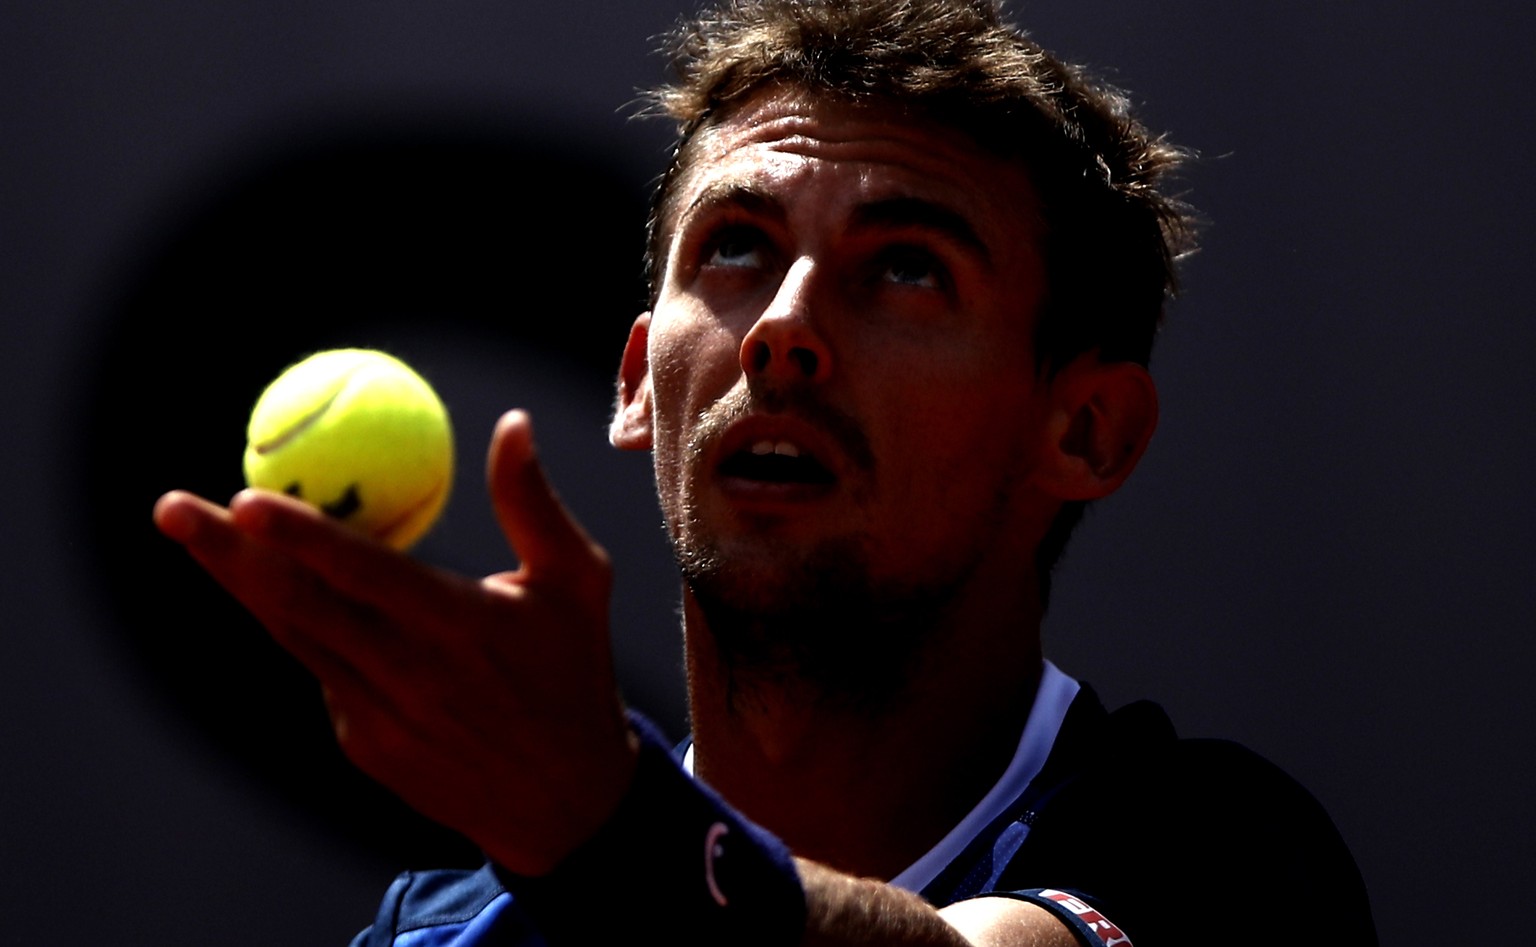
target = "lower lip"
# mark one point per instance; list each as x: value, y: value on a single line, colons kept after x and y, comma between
x: 764, y: 493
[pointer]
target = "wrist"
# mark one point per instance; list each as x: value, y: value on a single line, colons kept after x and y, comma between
x: 569, y: 819
x: 673, y: 857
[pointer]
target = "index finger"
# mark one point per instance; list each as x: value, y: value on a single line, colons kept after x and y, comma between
x: 280, y: 591
x: 356, y: 565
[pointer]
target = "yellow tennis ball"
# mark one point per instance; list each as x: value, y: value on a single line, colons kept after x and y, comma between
x: 358, y: 434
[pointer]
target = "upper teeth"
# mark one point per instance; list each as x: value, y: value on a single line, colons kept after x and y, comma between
x: 784, y: 448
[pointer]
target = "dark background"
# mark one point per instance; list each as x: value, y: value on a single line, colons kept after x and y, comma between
x: 1327, y: 554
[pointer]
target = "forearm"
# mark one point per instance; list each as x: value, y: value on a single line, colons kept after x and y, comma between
x: 844, y: 911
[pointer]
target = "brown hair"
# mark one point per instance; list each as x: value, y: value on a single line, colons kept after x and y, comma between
x: 1112, y: 234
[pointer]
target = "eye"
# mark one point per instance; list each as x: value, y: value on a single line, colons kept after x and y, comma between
x: 736, y: 245
x: 912, y: 266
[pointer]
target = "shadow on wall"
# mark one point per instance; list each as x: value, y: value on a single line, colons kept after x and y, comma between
x: 456, y: 228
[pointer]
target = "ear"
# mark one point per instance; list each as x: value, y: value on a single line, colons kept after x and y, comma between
x: 631, y: 425
x: 1102, y: 415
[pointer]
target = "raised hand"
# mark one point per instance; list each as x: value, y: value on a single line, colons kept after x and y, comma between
x: 489, y: 705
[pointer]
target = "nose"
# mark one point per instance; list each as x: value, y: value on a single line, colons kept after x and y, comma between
x: 785, y: 344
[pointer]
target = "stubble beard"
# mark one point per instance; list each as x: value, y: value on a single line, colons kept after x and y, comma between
x: 811, y: 622
x: 817, y: 628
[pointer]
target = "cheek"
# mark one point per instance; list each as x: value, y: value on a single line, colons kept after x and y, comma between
x: 693, y: 363
x: 967, y: 448
x: 683, y: 359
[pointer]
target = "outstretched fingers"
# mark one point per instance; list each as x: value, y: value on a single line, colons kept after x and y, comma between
x: 356, y: 566
x: 461, y: 695
x: 334, y: 598
x: 267, y: 581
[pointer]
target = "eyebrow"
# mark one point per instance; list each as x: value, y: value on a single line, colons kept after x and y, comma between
x: 902, y: 212
x: 892, y: 213
x: 733, y: 195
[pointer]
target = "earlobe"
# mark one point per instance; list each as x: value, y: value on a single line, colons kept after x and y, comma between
x: 631, y: 425
x: 1102, y: 418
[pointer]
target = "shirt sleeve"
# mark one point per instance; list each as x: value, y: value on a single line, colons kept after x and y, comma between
x: 448, y: 909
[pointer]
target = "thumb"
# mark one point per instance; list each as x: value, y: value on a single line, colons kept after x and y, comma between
x: 549, y: 543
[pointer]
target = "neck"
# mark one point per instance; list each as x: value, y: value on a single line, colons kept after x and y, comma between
x: 868, y: 786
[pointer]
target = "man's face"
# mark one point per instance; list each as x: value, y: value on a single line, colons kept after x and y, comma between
x: 838, y: 377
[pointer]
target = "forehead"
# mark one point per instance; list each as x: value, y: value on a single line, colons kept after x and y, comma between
x: 794, y: 144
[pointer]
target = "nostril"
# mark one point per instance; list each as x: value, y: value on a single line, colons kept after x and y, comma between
x: 758, y: 356
x: 764, y: 356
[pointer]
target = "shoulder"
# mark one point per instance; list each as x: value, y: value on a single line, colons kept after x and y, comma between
x: 1190, y: 840
x: 1213, y: 794
x: 447, y: 908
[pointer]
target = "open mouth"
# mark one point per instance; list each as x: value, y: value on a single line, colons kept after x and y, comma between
x: 769, y: 461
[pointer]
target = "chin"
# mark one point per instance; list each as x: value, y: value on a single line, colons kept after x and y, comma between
x: 767, y: 577
x: 816, y: 615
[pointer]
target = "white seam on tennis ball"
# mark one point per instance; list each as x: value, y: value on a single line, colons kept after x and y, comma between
x: 309, y: 419
x: 384, y: 532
